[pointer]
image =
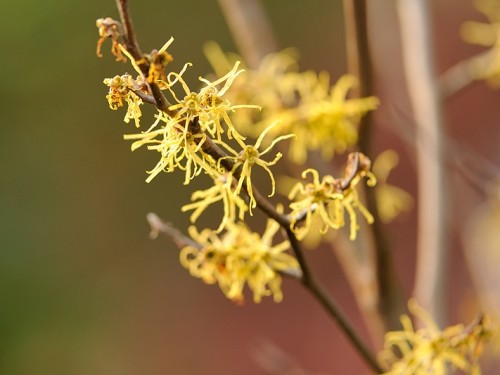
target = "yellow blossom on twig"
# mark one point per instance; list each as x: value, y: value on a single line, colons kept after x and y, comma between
x: 250, y: 156
x: 223, y: 190
x: 430, y: 350
x: 109, y: 28
x: 305, y: 103
x: 238, y: 258
x: 330, y: 198
x: 178, y: 147
x: 122, y: 88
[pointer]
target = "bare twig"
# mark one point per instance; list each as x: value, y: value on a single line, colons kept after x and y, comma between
x: 250, y: 28
x: 382, y: 309
x: 168, y: 230
x: 424, y: 96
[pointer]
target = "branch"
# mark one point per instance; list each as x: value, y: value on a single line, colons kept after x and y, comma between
x: 250, y: 28
x: 133, y: 48
x: 424, y: 97
x: 209, y: 147
x: 382, y: 309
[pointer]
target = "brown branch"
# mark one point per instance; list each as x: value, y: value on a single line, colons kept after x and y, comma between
x: 382, y: 309
x: 168, y: 230
x: 263, y: 204
x: 133, y: 48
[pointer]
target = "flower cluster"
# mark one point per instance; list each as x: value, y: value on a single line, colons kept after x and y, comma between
x: 487, y: 35
x: 430, y: 350
x: 304, y: 102
x: 238, y: 258
x: 330, y: 198
x: 124, y: 88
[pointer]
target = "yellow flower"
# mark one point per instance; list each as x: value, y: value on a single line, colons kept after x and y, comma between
x: 430, y: 350
x: 305, y: 103
x: 178, y: 147
x: 240, y: 257
x: 391, y: 200
x: 122, y: 88
x: 109, y: 28
x: 222, y: 190
x: 330, y: 199
x: 250, y: 156
x: 487, y: 35
x: 207, y: 105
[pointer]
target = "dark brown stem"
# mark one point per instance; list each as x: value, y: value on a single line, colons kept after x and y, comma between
x: 388, y: 299
x: 330, y: 305
x: 133, y: 48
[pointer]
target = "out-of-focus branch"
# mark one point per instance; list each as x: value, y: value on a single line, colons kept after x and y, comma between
x: 250, y: 28
x: 382, y: 308
x: 158, y: 226
x: 425, y: 99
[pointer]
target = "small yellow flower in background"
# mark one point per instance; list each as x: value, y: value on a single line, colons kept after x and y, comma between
x: 305, y: 103
x: 487, y: 35
x: 223, y: 190
x: 250, y: 156
x: 109, y: 28
x: 431, y: 350
x: 330, y: 199
x: 238, y: 258
x: 391, y: 200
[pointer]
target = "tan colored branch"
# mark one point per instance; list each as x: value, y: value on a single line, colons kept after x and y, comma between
x: 425, y: 99
x: 375, y: 286
x: 250, y: 28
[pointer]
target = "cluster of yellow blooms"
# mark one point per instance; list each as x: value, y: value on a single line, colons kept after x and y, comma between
x: 430, y: 350
x: 240, y: 257
x: 304, y: 103
x: 195, y: 123
x: 330, y: 198
x: 487, y: 35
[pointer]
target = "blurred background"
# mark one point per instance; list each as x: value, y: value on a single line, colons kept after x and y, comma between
x: 83, y: 290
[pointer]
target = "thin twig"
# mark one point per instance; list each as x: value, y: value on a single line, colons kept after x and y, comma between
x: 387, y: 301
x: 133, y: 48
x: 424, y: 96
x: 330, y: 305
x: 250, y: 28
x: 168, y: 230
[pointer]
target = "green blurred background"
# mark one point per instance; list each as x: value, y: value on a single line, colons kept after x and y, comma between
x: 83, y: 290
